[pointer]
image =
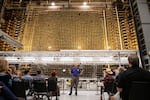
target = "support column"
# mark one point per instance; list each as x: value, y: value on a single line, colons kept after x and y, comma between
x: 141, y: 16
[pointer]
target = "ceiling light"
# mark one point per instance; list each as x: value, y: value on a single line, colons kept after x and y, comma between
x: 84, y: 3
x: 53, y: 4
x: 49, y: 47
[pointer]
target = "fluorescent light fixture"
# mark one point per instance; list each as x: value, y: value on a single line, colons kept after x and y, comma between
x: 106, y: 59
x: 85, y: 7
x: 47, y: 58
x: 53, y: 7
x: 28, y: 58
x: 86, y: 59
x: 11, y: 58
x: 66, y: 59
x: 49, y: 47
x: 79, y: 47
x: 84, y: 3
x: 124, y: 59
x: 53, y: 4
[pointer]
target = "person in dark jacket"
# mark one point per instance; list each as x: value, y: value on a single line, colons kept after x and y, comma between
x: 6, y: 93
x: 4, y: 76
x: 133, y: 73
x: 52, y: 84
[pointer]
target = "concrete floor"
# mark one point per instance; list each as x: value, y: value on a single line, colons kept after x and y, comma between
x: 87, y: 92
x: 82, y: 95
